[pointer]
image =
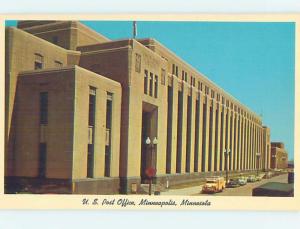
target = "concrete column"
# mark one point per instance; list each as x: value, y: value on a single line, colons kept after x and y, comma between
x: 236, y: 136
x: 212, y: 135
x: 184, y: 126
x: 248, y: 143
x: 174, y: 124
x: 218, y: 140
x: 206, y: 148
x: 222, y: 137
x: 201, y: 99
x: 255, y: 147
x: 192, y: 134
x: 251, y: 145
x: 239, y: 153
x: 227, y: 135
x: 245, y: 159
x: 243, y: 143
x: 232, y: 141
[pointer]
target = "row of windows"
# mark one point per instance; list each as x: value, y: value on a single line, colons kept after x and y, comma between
x: 91, y: 132
x: 39, y: 62
x: 150, y: 84
x: 138, y: 66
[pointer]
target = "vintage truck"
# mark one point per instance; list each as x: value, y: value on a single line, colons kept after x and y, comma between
x: 213, y: 185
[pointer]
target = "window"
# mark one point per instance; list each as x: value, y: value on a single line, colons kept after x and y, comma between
x: 92, y: 105
x: 38, y: 62
x: 91, y: 130
x: 109, y: 102
x: 151, y: 84
x: 58, y: 64
x: 182, y: 75
x: 44, y: 108
x: 185, y: 76
x: 176, y: 71
x: 146, y: 82
x: 156, y: 86
x: 163, y: 76
x: 138, y: 61
x: 173, y: 69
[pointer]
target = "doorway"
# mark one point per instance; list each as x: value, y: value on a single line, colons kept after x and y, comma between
x: 149, y: 129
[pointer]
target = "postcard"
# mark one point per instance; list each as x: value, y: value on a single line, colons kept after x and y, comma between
x: 193, y: 112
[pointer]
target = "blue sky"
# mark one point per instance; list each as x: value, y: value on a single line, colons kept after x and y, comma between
x: 254, y: 62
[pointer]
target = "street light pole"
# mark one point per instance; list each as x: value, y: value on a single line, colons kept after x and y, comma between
x: 257, y: 162
x: 226, y: 153
x: 152, y: 167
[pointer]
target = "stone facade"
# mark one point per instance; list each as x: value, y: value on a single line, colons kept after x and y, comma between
x: 279, y: 156
x: 154, y: 94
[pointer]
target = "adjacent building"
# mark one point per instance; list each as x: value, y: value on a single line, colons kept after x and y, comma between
x: 79, y: 108
x: 279, y: 156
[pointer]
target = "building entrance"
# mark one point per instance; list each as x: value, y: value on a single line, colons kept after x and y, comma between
x: 149, y: 130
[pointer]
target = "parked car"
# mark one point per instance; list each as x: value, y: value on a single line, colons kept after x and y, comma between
x: 213, y: 185
x: 258, y: 178
x: 242, y: 180
x: 233, y: 183
x: 251, y: 178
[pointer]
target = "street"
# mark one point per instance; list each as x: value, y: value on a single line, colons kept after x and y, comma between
x: 245, y: 190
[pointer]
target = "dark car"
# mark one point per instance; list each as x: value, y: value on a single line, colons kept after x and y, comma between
x: 233, y: 183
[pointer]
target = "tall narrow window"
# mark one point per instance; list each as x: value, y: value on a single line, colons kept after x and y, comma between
x: 44, y: 108
x: 210, y: 150
x: 216, y: 139
x: 221, y: 141
x: 156, y: 86
x: 197, y: 127
x: 188, y: 135
x: 151, y: 84
x: 91, y: 131
x: 230, y: 142
x: 39, y: 61
x: 109, y: 102
x: 169, y: 130
x: 173, y: 69
x: 146, y: 82
x: 179, y: 133
x: 176, y: 71
x: 203, y: 138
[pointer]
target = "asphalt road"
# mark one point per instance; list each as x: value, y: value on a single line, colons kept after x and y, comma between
x: 246, y: 190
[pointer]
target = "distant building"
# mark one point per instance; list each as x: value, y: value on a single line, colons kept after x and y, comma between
x: 79, y: 108
x: 279, y: 156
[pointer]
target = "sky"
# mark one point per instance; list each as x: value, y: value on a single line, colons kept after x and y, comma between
x: 254, y: 62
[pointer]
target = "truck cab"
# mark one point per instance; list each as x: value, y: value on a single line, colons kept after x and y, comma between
x: 213, y: 185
